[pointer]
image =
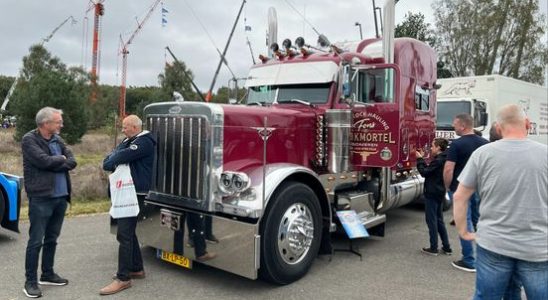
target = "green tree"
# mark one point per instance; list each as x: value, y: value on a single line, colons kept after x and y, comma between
x: 415, y: 26
x: 46, y: 81
x: 174, y: 80
x: 480, y: 37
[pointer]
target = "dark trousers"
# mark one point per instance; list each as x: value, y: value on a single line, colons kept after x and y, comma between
x: 434, y: 220
x: 129, y: 251
x: 46, y: 217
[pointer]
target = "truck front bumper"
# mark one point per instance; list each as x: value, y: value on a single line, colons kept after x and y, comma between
x: 238, y: 249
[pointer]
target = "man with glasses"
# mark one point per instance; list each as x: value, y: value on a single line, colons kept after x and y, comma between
x: 46, y: 162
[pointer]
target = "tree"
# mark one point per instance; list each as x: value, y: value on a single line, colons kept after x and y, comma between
x: 174, y: 80
x: 480, y: 37
x: 46, y: 81
x: 414, y: 26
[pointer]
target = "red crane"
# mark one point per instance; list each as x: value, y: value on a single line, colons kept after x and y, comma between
x: 98, y: 13
x: 125, y: 52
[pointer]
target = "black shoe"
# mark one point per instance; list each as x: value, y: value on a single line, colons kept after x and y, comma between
x: 430, y: 251
x: 52, y: 280
x: 32, y: 290
x: 212, y: 239
x: 461, y: 265
x: 446, y: 251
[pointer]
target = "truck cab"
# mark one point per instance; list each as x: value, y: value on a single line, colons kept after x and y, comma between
x: 449, y: 108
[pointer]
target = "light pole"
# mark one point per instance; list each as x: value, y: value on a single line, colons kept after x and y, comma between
x: 360, y: 26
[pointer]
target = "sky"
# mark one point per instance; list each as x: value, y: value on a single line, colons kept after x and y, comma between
x: 193, y: 30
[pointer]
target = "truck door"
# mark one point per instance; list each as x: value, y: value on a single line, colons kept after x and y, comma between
x: 375, y: 132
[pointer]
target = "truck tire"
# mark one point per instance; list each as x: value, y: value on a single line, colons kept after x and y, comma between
x: 290, y: 233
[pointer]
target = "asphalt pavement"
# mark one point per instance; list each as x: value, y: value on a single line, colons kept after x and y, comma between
x: 392, y: 268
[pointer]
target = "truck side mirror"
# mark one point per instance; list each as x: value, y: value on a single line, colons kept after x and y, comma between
x: 483, y: 118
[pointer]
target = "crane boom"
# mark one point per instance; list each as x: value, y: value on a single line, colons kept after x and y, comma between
x: 99, y: 11
x: 125, y: 52
x: 44, y: 40
x: 223, y: 55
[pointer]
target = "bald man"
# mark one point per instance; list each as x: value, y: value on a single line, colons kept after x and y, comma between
x: 511, y: 176
x: 137, y: 150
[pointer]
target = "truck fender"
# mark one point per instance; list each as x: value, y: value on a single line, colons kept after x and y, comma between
x: 278, y: 173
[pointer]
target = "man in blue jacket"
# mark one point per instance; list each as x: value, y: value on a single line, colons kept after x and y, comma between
x: 46, y: 162
x: 137, y: 150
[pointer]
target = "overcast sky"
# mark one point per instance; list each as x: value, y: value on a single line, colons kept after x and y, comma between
x: 25, y: 22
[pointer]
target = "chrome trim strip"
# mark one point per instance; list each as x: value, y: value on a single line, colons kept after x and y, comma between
x: 198, y: 161
x: 189, y: 157
x: 181, y: 157
x: 173, y: 139
x: 165, y: 155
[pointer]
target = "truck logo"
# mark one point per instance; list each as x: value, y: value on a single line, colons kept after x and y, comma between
x: 386, y: 154
x: 264, y: 132
x: 175, y: 109
x: 461, y: 88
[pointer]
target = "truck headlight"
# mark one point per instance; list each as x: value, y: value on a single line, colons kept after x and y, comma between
x: 231, y: 183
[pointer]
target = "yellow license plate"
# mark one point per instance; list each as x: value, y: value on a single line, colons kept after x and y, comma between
x: 175, y: 259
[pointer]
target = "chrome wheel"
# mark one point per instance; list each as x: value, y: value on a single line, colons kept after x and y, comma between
x: 295, y: 233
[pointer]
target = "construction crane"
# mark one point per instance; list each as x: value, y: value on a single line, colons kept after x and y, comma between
x: 44, y: 40
x: 125, y: 52
x: 99, y: 11
x: 223, y: 55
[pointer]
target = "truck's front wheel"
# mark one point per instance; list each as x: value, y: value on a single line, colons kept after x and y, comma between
x: 290, y: 233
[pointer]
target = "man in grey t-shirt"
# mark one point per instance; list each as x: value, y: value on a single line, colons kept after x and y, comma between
x: 511, y: 176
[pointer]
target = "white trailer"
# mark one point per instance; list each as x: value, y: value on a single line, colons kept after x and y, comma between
x: 483, y: 96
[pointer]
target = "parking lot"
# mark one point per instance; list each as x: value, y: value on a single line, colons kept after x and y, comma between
x: 392, y: 268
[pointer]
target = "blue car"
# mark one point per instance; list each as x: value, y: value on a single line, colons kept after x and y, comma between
x: 10, y: 201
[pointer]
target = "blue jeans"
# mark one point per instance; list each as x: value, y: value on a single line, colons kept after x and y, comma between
x: 496, y: 273
x: 434, y: 219
x: 46, y: 217
x: 467, y: 246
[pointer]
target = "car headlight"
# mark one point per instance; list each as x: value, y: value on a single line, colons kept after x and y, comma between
x: 231, y: 183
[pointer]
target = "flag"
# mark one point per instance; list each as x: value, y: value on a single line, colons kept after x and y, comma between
x: 164, y: 22
x: 164, y: 11
x: 247, y: 28
x: 164, y: 15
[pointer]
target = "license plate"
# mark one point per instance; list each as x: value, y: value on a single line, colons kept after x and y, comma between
x: 175, y: 259
x: 170, y: 220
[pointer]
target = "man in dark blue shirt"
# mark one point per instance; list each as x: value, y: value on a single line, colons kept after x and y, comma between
x: 137, y: 150
x: 457, y: 156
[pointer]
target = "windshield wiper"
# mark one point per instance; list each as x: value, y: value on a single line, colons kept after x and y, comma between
x: 297, y: 101
x: 255, y: 103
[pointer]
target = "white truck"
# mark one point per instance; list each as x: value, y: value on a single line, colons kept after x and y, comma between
x: 483, y: 96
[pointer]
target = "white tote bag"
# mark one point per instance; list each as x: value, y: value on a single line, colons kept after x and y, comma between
x: 122, y: 193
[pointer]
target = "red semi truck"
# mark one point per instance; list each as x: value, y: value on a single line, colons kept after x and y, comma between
x: 318, y: 132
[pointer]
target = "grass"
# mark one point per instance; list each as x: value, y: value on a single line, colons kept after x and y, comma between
x: 89, y: 181
x: 77, y: 207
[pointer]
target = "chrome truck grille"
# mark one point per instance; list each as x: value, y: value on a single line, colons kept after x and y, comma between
x: 180, y: 168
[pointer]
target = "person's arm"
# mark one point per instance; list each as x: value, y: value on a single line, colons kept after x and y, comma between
x: 70, y: 161
x: 460, y: 206
x: 427, y: 170
x: 140, y: 148
x: 38, y: 157
x: 448, y: 173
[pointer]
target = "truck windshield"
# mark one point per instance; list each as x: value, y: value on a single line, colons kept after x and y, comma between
x: 312, y: 93
x: 447, y: 110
